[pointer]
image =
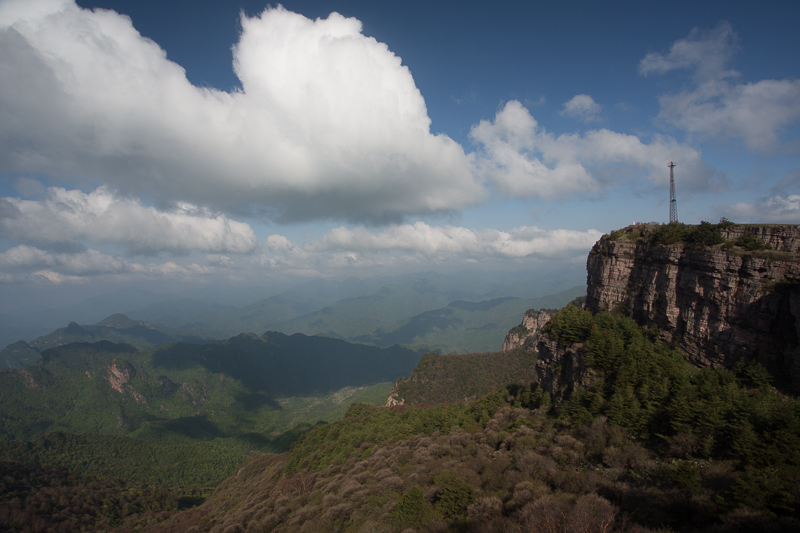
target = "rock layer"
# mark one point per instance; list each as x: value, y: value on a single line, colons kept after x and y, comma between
x: 716, y: 304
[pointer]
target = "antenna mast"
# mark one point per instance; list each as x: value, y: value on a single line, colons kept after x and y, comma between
x: 673, y: 202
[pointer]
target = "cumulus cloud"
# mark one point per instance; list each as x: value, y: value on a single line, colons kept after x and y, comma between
x: 717, y: 106
x: 581, y: 107
x: 525, y: 161
x: 104, y: 217
x: 777, y: 209
x: 452, y: 241
x: 329, y: 123
x: 72, y: 265
x: 29, y: 263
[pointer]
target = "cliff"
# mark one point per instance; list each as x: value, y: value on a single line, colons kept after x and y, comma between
x: 717, y: 304
x: 532, y: 322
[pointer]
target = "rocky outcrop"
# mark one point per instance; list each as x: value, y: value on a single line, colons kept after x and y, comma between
x: 783, y: 238
x: 558, y: 369
x: 532, y: 322
x: 717, y: 304
x: 120, y: 373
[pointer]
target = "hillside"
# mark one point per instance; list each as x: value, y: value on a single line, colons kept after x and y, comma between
x: 646, y: 443
x: 601, y: 426
x: 205, y: 391
x: 184, y: 415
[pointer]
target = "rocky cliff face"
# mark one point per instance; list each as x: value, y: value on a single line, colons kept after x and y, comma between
x: 532, y: 322
x: 557, y: 368
x: 716, y: 304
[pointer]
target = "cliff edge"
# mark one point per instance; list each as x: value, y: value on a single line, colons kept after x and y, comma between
x: 718, y: 303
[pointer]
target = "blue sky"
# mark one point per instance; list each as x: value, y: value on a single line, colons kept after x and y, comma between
x: 198, y: 142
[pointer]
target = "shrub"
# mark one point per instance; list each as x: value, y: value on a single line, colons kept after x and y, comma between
x: 706, y: 234
x: 455, y: 495
x: 570, y: 325
x: 671, y: 233
x: 748, y: 242
x: 724, y: 223
x: 409, y: 508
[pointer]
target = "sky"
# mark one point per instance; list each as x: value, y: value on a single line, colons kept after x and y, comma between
x: 191, y: 143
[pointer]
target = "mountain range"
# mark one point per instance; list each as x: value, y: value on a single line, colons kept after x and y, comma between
x: 357, y: 306
x: 379, y: 319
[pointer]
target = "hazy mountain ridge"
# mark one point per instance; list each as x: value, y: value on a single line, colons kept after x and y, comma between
x: 463, y: 326
x: 352, y: 309
x: 116, y: 328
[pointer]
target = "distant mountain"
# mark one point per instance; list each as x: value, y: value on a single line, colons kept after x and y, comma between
x: 115, y: 328
x: 354, y: 307
x: 463, y: 326
x: 226, y: 322
x: 18, y: 354
x: 188, y: 391
x: 352, y: 317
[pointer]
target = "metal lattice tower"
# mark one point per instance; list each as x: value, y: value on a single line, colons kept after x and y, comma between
x: 673, y: 202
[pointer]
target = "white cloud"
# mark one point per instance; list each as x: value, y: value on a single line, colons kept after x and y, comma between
x: 350, y: 251
x: 706, y: 52
x: 525, y: 161
x: 776, y: 209
x: 718, y: 107
x: 29, y: 263
x: 458, y: 242
x: 581, y: 107
x: 103, y: 217
x: 86, y: 263
x: 329, y: 123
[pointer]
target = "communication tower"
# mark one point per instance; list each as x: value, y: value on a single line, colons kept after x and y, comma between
x: 673, y: 202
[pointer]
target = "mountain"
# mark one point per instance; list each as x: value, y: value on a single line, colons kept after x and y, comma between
x: 463, y: 326
x: 355, y: 307
x: 115, y: 328
x: 18, y: 354
x: 354, y: 317
x: 206, y: 391
x: 721, y: 293
x: 599, y: 425
x: 224, y: 321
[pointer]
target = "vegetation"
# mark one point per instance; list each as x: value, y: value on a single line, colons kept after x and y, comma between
x: 748, y: 242
x: 701, y: 235
x: 202, y: 464
x: 180, y: 417
x: 244, y: 387
x: 36, y: 498
x: 651, y: 443
x: 460, y: 377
